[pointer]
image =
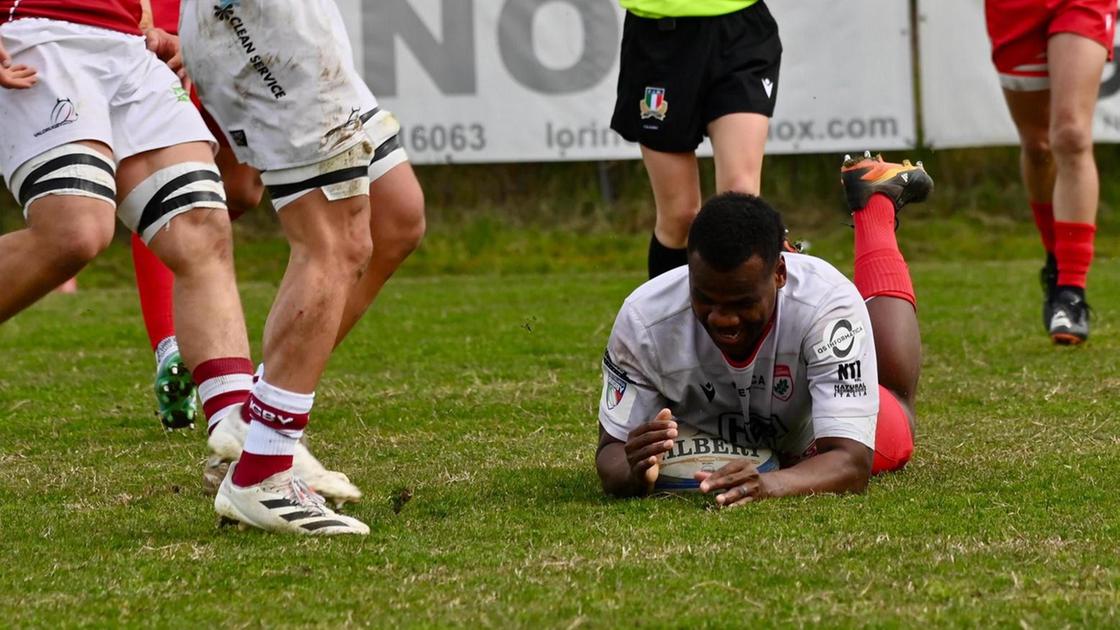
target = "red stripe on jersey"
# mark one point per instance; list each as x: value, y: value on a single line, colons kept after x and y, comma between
x: 122, y: 16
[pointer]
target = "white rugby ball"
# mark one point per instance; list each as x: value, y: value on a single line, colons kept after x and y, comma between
x: 695, y: 451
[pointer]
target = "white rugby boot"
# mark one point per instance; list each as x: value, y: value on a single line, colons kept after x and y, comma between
x: 283, y: 504
x: 331, y: 484
x: 228, y: 438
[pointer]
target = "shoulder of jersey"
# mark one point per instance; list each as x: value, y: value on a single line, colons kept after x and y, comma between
x: 662, y: 297
x: 808, y: 275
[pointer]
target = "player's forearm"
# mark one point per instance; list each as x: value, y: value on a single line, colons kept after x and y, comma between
x: 836, y: 471
x: 614, y: 472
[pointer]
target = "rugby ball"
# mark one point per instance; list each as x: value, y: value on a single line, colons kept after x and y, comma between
x: 695, y: 451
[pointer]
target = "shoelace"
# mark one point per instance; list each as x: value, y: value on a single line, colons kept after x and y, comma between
x: 301, y: 493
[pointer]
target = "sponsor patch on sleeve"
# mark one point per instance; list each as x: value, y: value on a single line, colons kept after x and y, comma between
x: 842, y: 339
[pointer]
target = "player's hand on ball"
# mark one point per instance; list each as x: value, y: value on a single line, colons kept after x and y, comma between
x: 646, y: 444
x: 740, y: 483
x: 12, y: 77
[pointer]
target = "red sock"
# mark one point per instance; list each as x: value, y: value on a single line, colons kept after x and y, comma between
x: 880, y: 267
x: 252, y: 468
x: 1073, y: 247
x: 1044, y: 220
x: 222, y: 383
x: 154, y: 282
x: 278, y: 419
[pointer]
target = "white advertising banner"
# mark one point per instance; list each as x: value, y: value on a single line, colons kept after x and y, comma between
x: 534, y: 80
x: 962, y: 104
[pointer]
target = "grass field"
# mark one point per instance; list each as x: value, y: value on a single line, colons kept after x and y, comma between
x: 475, y: 394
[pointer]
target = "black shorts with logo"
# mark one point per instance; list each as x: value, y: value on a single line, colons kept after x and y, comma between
x: 677, y: 75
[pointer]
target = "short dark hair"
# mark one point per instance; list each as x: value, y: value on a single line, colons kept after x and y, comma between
x: 732, y: 227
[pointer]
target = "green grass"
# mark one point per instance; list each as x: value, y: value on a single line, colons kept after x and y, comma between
x: 477, y: 393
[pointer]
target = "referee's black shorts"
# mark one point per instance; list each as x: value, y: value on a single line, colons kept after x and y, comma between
x: 676, y: 75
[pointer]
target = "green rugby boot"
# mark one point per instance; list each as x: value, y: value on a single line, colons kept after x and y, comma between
x: 175, y: 394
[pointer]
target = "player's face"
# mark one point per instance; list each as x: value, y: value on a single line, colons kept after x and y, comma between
x: 735, y: 306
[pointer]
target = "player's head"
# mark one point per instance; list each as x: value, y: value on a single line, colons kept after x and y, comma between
x: 735, y: 269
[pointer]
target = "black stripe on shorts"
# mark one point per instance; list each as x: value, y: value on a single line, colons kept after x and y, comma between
x: 318, y: 181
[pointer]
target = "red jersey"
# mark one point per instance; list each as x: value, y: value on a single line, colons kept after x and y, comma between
x: 165, y: 15
x: 122, y: 16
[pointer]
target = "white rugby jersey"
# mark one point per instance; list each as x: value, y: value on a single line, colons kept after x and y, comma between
x: 813, y: 374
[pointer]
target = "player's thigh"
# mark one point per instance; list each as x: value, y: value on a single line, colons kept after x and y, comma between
x: 75, y: 227
x: 243, y: 185
x: 739, y: 141
x: 894, y: 434
x: 396, y: 204
x: 324, y: 228
x: 675, y: 179
x: 1076, y: 63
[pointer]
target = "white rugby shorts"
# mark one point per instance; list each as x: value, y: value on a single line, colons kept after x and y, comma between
x: 279, y: 78
x: 94, y: 84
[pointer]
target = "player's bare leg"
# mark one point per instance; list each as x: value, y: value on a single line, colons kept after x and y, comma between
x: 397, y: 226
x: 1030, y: 112
x: 1059, y: 171
x: 876, y: 192
x: 197, y: 247
x: 175, y: 389
x: 243, y: 185
x: 675, y: 180
x: 331, y: 247
x: 64, y: 232
x: 1076, y: 64
x: 739, y: 141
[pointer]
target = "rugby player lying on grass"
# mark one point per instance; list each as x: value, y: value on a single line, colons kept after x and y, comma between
x: 765, y: 348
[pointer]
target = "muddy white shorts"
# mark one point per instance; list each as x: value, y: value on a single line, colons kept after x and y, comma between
x: 279, y: 78
x: 94, y: 84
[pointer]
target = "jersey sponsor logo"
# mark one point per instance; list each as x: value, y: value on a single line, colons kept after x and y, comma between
x: 238, y: 137
x: 850, y: 371
x: 783, y: 383
x: 755, y: 431
x: 709, y: 391
x: 63, y: 113
x: 224, y: 12
x: 654, y: 105
x: 849, y: 390
x: 768, y: 85
x: 842, y: 338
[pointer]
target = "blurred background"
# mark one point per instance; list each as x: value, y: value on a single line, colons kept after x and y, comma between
x: 505, y: 108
